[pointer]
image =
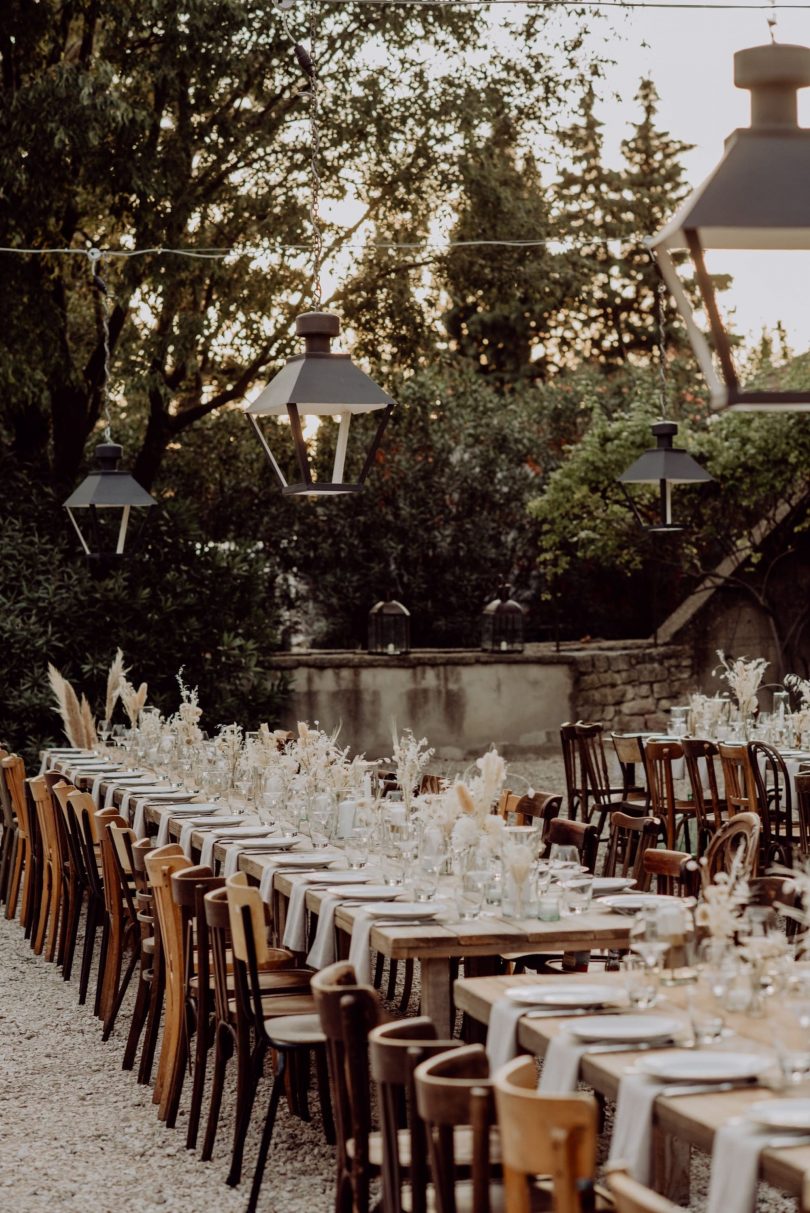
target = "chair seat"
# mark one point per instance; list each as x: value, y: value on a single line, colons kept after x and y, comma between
x: 462, y: 1147
x: 274, y: 1005
x: 540, y: 1198
x: 295, y: 1030
x: 277, y: 979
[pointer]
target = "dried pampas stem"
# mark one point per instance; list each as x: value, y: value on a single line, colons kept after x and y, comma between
x: 133, y: 701
x: 115, y: 680
x: 88, y: 724
x: 67, y: 706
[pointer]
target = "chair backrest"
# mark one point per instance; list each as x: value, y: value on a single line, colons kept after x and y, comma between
x: 630, y: 1196
x: 738, y: 778
x: 629, y: 749
x: 675, y: 873
x: 452, y: 1090
x: 123, y: 839
x: 701, y: 757
x: 574, y: 834
x: 781, y: 833
x: 659, y: 757
x: 241, y: 894
x: 740, y: 834
x: 591, y: 738
x: 395, y: 1050
x: 81, y: 818
x: 161, y: 864
x: 189, y: 887
x: 348, y: 1012
x: 13, y: 769
x: 801, y: 788
x: 218, y: 922
x: 544, y: 1134
x: 630, y: 837
x: 46, y: 817
x: 531, y: 809
x: 575, y: 792
x: 9, y: 822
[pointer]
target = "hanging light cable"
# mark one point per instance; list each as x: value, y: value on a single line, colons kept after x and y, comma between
x: 664, y: 464
x: 318, y: 383
x: 108, y: 494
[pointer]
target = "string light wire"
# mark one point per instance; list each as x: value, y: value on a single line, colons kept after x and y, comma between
x: 95, y: 256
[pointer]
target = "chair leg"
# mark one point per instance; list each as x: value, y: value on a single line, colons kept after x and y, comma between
x: 223, y: 1049
x: 393, y: 966
x: 201, y: 1045
x: 56, y: 906
x: 14, y: 878
x: 177, y: 1073
x: 378, y: 971
x: 91, y: 925
x: 102, y: 960
x: 267, y: 1133
x: 109, y: 1022
x: 248, y: 1073
x: 71, y: 931
x: 407, y: 988
x: 153, y: 1018
x: 139, y: 1014
x: 325, y: 1095
x: 46, y: 897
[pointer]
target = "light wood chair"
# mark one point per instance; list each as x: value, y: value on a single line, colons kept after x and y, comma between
x: 151, y: 978
x: 740, y: 787
x: 21, y: 877
x: 544, y: 1135
x: 71, y: 872
x: 50, y: 886
x: 740, y: 835
x: 8, y: 844
x: 676, y: 813
x: 161, y: 863
x: 629, y: 1196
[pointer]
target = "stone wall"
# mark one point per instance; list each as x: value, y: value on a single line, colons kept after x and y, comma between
x: 463, y: 700
x: 633, y: 686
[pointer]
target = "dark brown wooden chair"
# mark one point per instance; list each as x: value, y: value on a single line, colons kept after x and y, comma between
x: 46, y: 914
x: 348, y: 1012
x: 454, y: 1090
x: 675, y: 813
x: 148, y: 1008
x: 286, y: 1023
x: 576, y: 786
x: 395, y: 1050
x: 739, y: 836
x: 82, y: 825
x: 21, y: 877
x: 603, y: 798
x: 784, y: 833
x: 740, y: 789
x: 630, y: 838
x: 574, y: 834
x: 539, y: 808
x: 629, y: 749
x: 701, y: 758
x: 8, y: 845
x: 671, y: 873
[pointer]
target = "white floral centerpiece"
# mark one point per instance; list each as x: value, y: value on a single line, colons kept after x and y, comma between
x: 799, y: 720
x: 410, y: 758
x: 722, y: 902
x: 186, y: 721
x: 744, y: 678
x: 228, y: 745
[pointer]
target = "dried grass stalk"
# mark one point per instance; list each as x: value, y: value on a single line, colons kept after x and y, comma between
x: 115, y: 679
x: 88, y: 724
x: 67, y: 706
x: 133, y: 701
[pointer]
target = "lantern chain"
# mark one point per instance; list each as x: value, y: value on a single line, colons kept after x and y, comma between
x: 661, y: 326
x: 94, y: 256
x: 772, y: 19
x: 307, y: 59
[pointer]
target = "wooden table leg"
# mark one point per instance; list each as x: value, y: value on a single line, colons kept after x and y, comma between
x: 437, y: 999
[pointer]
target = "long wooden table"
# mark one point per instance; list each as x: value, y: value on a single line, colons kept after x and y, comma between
x: 692, y: 1119
x: 435, y: 945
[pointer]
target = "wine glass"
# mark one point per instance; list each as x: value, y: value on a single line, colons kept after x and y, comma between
x: 646, y: 940
x: 563, y: 858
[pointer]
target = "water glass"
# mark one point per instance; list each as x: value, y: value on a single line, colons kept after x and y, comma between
x: 562, y: 857
x: 577, y: 894
x: 469, y: 894
x: 640, y: 982
x: 706, y: 1021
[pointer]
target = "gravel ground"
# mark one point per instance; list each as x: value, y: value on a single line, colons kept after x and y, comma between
x: 78, y: 1133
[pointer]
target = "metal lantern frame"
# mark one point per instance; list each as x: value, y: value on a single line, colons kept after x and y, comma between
x: 389, y: 628
x: 663, y: 465
x: 502, y: 624
x: 106, y: 488
x: 320, y: 383
x: 758, y: 198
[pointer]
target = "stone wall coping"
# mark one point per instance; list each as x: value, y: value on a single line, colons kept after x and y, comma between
x: 533, y: 654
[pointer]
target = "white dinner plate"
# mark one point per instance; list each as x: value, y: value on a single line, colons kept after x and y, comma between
x: 156, y: 794
x: 271, y: 842
x: 604, y: 886
x: 302, y: 860
x: 404, y: 909
x: 339, y: 877
x: 703, y: 1065
x: 547, y: 995
x: 632, y: 903
x: 782, y: 1114
x: 628, y: 1028
x: 366, y: 892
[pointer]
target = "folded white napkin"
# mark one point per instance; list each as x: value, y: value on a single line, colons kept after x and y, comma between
x: 200, y: 811
x: 323, y: 952
x: 193, y: 823
x: 735, y: 1167
x: 233, y: 852
x: 360, y: 947
x: 633, y: 1124
x: 295, y: 929
x: 212, y: 838
x: 502, y: 1034
x: 561, y: 1063
x: 96, y: 788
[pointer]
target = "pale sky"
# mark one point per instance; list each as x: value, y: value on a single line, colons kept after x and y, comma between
x: 689, y: 55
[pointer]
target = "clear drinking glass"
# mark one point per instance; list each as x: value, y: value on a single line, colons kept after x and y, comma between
x: 640, y: 982
x: 577, y: 893
x: 562, y: 857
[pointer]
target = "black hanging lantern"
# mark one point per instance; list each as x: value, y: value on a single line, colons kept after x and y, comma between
x: 320, y: 384
x: 502, y: 624
x: 758, y: 198
x: 100, y: 508
x: 663, y: 465
x: 389, y: 627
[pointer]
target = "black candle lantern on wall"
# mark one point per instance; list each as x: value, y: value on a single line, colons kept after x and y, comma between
x: 502, y: 624
x: 389, y: 627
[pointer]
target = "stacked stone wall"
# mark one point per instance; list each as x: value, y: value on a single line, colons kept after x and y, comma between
x: 634, y: 687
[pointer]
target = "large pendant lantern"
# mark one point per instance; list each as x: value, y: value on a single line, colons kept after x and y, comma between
x: 320, y: 384
x: 663, y: 465
x: 758, y: 198
x: 101, y: 507
x: 389, y: 627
